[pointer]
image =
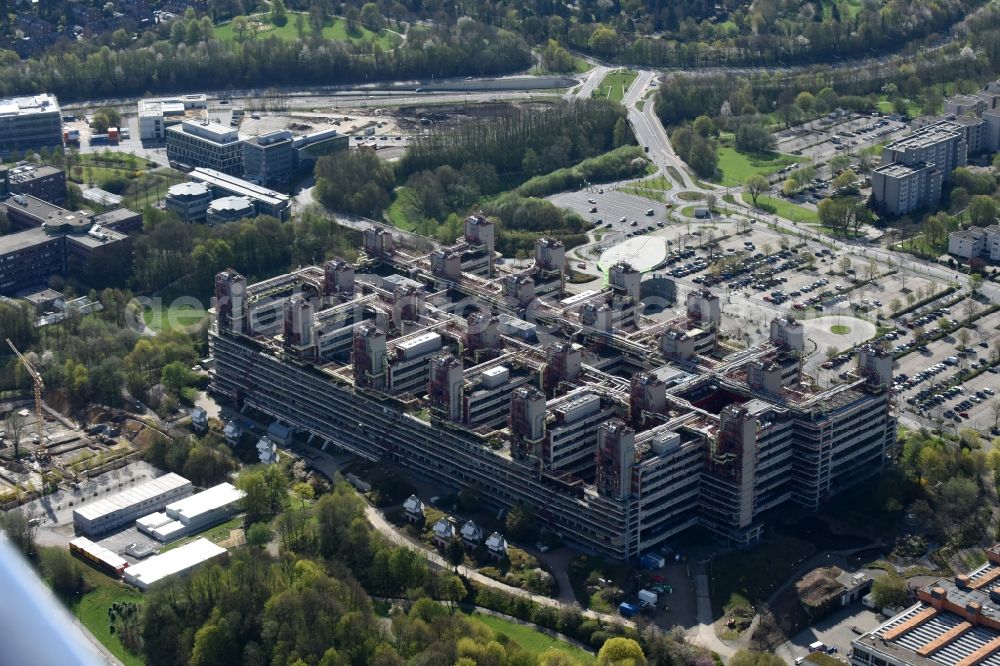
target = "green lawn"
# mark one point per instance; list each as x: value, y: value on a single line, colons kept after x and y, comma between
x: 788, y: 210
x: 887, y: 107
x: 92, y: 611
x: 651, y: 188
x: 615, y: 84
x: 737, y: 166
x: 336, y: 31
x: 396, y: 211
x: 214, y: 534
x: 532, y: 641
x: 840, y: 329
x: 175, y: 316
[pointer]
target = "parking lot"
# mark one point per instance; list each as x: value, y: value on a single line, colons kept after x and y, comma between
x: 822, y: 139
x: 927, y: 378
x: 55, y: 512
x: 613, y: 207
x: 835, y: 631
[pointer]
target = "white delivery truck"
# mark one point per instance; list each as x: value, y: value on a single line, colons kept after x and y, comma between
x: 647, y: 598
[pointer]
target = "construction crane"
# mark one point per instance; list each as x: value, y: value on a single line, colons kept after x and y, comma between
x: 39, y: 385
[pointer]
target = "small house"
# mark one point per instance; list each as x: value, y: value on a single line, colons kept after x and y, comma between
x: 414, y: 509
x: 199, y: 420
x: 702, y: 213
x: 232, y: 432
x: 472, y: 535
x: 444, y: 532
x: 496, y: 545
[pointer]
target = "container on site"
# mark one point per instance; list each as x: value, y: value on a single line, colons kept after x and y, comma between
x: 648, y: 597
x: 652, y: 561
x: 627, y: 609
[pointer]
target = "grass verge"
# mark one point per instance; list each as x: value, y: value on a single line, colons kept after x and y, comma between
x: 614, y: 85
x: 787, y: 210
x: 533, y: 641
x: 737, y: 166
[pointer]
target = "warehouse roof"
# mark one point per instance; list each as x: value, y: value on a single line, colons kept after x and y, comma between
x: 129, y: 498
x: 172, y: 562
x: 205, y: 501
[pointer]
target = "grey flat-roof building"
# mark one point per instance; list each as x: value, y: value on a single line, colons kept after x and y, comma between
x: 53, y: 241
x: 125, y: 507
x: 189, y: 201
x: 30, y: 123
x: 211, y: 145
x: 229, y: 209
x: 902, y: 188
x: 39, y: 180
x: 269, y: 158
x: 265, y: 201
x: 942, y: 145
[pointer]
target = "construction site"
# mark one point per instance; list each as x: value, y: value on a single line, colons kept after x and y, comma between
x: 42, y: 450
x: 619, y: 430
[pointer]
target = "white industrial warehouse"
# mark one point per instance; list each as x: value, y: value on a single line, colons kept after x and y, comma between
x: 123, y: 508
x: 192, y: 514
x: 178, y: 561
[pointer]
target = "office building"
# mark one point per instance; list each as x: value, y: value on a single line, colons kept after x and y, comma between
x: 192, y: 514
x: 39, y: 180
x: 155, y: 115
x: 189, y: 201
x: 174, y: 562
x: 205, y: 144
x: 53, y: 241
x: 981, y: 242
x: 265, y: 201
x: 620, y: 440
x: 122, y: 220
x: 229, y: 209
x: 30, y: 123
x: 942, y: 144
x: 915, y: 167
x: 902, y: 188
x: 111, y: 513
x: 954, y: 621
x: 269, y: 158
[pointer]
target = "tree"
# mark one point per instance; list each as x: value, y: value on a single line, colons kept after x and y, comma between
x: 753, y: 137
x: 757, y: 185
x: 455, y: 552
x: 20, y: 530
x: 521, y: 523
x: 63, y: 572
x: 104, y: 118
x: 176, y: 376
x: 15, y: 429
x: 705, y: 126
x: 620, y: 651
x: 982, y: 210
x: 831, y: 352
x: 889, y: 590
x: 371, y: 18
x: 790, y: 186
x: 240, y: 25
x: 963, y: 336
x: 259, y: 535
x: 975, y: 282
x: 355, y: 181
x: 846, y: 179
x: 279, y: 14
